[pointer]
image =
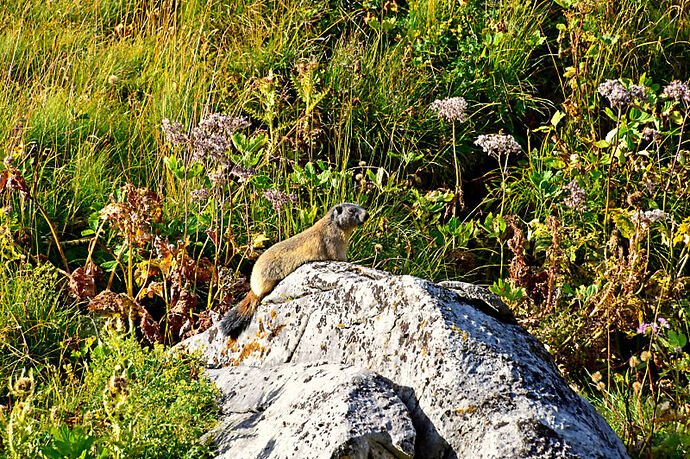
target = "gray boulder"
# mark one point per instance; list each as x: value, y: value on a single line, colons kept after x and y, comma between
x: 475, y: 384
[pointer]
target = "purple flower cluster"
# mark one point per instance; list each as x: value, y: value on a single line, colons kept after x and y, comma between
x: 651, y: 134
x: 207, y: 145
x: 201, y: 195
x: 220, y: 123
x: 677, y: 90
x: 174, y: 132
x: 452, y: 108
x: 278, y: 199
x: 209, y: 140
x: 654, y: 327
x: 620, y: 96
x: 243, y: 173
x: 577, y: 198
x: 496, y: 145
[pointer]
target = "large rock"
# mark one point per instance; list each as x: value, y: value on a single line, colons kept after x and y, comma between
x: 475, y: 383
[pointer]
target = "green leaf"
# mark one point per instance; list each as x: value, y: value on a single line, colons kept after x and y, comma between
x: 175, y: 166
x: 109, y: 266
x: 195, y: 170
x: 624, y: 224
x: 505, y: 290
x: 94, y: 221
x: 676, y: 340
x: 379, y: 176
x: 310, y: 170
x: 557, y: 117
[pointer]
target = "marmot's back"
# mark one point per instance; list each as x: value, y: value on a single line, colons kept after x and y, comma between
x: 326, y: 240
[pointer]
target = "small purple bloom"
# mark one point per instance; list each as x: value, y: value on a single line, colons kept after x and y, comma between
x: 655, y: 327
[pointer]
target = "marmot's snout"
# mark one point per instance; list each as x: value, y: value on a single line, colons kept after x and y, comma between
x: 348, y: 215
x: 358, y: 214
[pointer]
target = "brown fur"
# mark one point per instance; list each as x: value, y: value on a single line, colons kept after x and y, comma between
x: 326, y: 240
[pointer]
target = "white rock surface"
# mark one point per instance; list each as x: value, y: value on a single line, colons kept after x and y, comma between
x: 475, y: 383
x: 310, y: 410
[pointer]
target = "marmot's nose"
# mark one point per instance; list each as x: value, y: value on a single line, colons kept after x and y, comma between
x: 365, y: 217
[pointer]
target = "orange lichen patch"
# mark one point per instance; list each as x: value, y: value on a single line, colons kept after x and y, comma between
x: 273, y: 314
x: 469, y: 410
x: 340, y: 325
x: 247, y: 351
x: 378, y: 317
x: 424, y: 350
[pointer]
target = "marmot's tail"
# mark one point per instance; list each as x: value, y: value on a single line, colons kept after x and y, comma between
x: 239, y: 317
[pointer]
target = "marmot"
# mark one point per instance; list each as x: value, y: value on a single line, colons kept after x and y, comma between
x: 325, y: 240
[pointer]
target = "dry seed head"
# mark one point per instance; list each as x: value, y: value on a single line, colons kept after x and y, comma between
x: 24, y: 386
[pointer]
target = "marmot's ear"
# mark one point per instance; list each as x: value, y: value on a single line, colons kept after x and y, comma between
x: 338, y: 209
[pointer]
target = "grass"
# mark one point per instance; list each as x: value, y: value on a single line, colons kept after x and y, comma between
x: 337, y: 93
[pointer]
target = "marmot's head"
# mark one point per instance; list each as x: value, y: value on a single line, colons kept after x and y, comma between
x: 348, y: 216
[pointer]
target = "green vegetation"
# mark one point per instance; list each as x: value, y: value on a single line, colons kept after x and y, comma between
x: 152, y: 147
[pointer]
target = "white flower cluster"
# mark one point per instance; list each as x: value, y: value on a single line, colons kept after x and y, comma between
x: 649, y: 217
x: 495, y: 144
x: 452, y: 108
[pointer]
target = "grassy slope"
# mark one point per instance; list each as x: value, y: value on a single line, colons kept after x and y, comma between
x: 86, y: 85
